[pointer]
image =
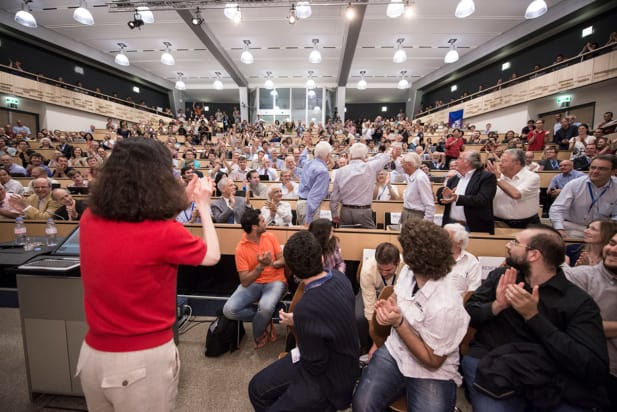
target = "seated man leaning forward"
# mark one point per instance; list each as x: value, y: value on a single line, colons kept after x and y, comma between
x: 259, y: 261
x: 420, y: 357
x: 320, y: 374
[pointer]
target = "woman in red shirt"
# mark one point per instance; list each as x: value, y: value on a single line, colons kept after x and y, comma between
x: 131, y: 247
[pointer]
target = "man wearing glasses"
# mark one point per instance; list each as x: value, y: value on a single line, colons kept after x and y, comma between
x: 587, y: 198
x: 539, y: 343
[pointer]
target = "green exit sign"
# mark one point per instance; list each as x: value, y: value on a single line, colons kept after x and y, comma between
x: 564, y: 99
x: 11, y: 100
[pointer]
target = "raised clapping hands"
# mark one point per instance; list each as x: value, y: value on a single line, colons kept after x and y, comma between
x: 265, y: 258
x: 387, y: 312
x: 448, y: 196
x: 508, y: 293
x: 494, y: 168
x: 200, y: 189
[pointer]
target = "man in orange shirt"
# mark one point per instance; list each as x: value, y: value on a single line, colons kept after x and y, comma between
x: 260, y: 265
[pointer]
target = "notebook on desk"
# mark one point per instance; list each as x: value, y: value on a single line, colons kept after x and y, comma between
x: 63, y: 258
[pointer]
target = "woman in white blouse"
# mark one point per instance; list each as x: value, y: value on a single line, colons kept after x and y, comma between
x: 276, y: 212
x: 383, y: 189
x: 421, y: 355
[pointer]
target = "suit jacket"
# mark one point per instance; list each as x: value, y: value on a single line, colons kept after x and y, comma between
x: 80, y: 207
x: 431, y: 165
x: 477, y: 201
x: 66, y: 149
x: 562, y: 134
x: 221, y: 212
x: 581, y: 163
x: 47, y: 210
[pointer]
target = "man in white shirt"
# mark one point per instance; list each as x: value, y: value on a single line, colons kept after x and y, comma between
x: 517, y: 199
x: 418, y: 200
x: 288, y: 186
x: 587, y: 198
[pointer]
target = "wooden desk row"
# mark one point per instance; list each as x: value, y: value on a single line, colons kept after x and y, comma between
x: 353, y: 241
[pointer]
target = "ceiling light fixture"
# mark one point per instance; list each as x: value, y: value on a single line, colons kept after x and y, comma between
x: 269, y: 84
x: 166, y: 58
x: 403, y: 83
x: 303, y: 10
x: 82, y: 14
x: 24, y: 17
x: 452, y: 54
x: 410, y: 10
x: 399, y: 56
x: 146, y: 14
x: 218, y: 84
x: 292, y: 18
x: 536, y: 9
x: 197, y: 19
x: 232, y: 12
x: 465, y: 8
x: 315, y: 56
x: 311, y: 94
x: 310, y: 83
x: 137, y: 22
x: 362, y: 83
x: 350, y: 13
x: 121, y: 58
x: 247, y: 56
x: 274, y: 93
x: 180, y: 85
x: 395, y: 9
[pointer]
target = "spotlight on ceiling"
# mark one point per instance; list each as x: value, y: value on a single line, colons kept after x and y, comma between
x: 315, y: 56
x: 24, y: 17
x: 137, y: 22
x: 269, y: 84
x: 180, y: 85
x: 399, y: 56
x: 536, y: 9
x: 292, y: 18
x: 247, y: 56
x: 122, y: 58
x: 167, y: 58
x: 403, y: 83
x: 465, y: 8
x: 350, y: 13
x: 310, y: 83
x: 362, y: 83
x: 232, y: 12
x: 409, y: 9
x: 197, y: 18
x: 82, y: 14
x: 218, y: 84
x: 452, y: 54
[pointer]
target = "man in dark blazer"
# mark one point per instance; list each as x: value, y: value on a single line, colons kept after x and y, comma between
x: 550, y: 161
x: 229, y: 208
x: 64, y: 147
x: 468, y: 197
x: 563, y: 135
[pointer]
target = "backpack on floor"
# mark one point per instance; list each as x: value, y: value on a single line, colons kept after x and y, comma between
x: 223, y: 336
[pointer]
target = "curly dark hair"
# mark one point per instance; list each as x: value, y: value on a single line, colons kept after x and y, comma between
x: 302, y: 254
x: 250, y: 218
x: 321, y: 229
x: 137, y: 183
x: 426, y: 248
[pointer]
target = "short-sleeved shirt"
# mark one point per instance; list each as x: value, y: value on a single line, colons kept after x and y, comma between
x: 246, y: 257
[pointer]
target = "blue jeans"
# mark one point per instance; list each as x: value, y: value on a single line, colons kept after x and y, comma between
x: 485, y: 403
x: 382, y: 383
x: 241, y: 305
x: 283, y: 387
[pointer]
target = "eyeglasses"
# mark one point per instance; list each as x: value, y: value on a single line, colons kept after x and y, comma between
x: 515, y: 242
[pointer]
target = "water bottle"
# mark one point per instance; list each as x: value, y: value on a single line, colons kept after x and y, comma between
x: 51, y: 233
x: 20, y: 231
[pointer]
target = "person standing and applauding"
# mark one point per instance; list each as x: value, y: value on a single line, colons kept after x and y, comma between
x: 131, y: 247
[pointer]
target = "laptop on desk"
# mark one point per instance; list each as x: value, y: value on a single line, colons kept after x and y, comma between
x: 63, y: 258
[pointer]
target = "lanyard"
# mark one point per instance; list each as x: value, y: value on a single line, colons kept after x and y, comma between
x: 318, y: 282
x: 593, y: 198
x: 188, y: 218
x: 384, y: 280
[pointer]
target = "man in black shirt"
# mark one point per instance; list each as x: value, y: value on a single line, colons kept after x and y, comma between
x: 539, y: 341
x: 320, y: 374
x: 563, y: 135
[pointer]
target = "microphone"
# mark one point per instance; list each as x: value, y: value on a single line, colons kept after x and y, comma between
x: 57, y: 215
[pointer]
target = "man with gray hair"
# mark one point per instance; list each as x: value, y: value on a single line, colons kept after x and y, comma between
x: 229, y: 208
x: 315, y: 181
x: 466, y: 274
x: 418, y: 200
x: 468, y: 197
x: 516, y: 201
x: 351, y: 192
